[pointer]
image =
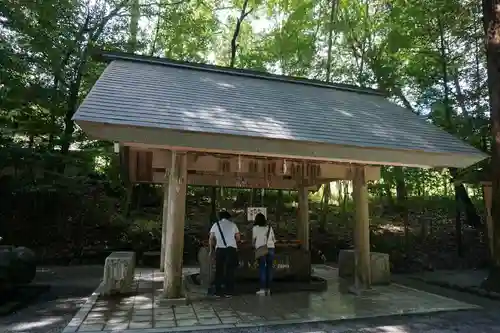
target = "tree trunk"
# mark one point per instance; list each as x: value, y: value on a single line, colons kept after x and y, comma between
x: 340, y: 191
x: 135, y: 15
x: 234, y: 45
x: 69, y: 125
x: 458, y: 224
x: 471, y: 217
x: 279, y: 207
x: 330, y: 40
x: 402, y: 207
x: 345, y: 185
x: 461, y: 195
x: 213, y: 205
x: 387, y: 186
x: 491, y: 12
x: 325, y: 201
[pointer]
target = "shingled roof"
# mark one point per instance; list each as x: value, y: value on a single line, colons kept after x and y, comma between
x: 187, y: 99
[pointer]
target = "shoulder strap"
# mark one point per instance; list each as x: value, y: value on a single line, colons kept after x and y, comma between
x: 221, y: 234
x: 268, y: 232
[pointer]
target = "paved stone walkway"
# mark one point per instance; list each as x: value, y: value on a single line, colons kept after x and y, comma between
x: 443, y: 322
x: 146, y: 311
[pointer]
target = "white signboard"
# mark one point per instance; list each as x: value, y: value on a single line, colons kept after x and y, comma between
x: 253, y: 211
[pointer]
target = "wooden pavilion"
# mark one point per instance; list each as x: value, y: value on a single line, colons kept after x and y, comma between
x: 183, y: 123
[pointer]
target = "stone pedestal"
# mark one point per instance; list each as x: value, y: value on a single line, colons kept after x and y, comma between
x: 118, y: 272
x: 207, y: 270
x: 379, y: 262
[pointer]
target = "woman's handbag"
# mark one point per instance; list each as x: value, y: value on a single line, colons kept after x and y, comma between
x: 262, y: 251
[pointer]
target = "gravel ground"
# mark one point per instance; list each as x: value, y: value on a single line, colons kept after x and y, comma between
x: 72, y: 285
x: 51, y: 312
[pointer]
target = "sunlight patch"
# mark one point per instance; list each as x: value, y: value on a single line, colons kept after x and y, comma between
x: 36, y: 324
x: 393, y: 329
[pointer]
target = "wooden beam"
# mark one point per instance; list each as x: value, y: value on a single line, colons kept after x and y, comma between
x: 303, y: 218
x: 231, y: 166
x: 245, y: 182
x: 361, y: 229
x: 172, y: 285
x: 233, y: 181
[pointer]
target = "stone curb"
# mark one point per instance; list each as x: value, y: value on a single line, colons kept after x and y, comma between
x: 83, y: 311
x: 471, y: 290
x: 268, y: 324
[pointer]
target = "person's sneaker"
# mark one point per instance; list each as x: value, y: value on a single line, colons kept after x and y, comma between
x: 228, y: 295
x: 261, y: 292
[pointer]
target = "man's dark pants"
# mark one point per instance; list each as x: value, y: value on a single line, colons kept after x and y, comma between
x: 225, y: 265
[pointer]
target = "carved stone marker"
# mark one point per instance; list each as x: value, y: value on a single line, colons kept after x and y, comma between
x: 118, y: 272
x: 380, y: 266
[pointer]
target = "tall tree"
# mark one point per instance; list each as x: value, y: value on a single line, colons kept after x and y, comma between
x: 491, y: 12
x: 327, y: 190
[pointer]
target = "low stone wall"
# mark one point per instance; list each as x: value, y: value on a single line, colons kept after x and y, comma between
x: 380, y: 266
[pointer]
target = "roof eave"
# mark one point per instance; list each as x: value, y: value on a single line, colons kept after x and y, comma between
x: 232, y: 144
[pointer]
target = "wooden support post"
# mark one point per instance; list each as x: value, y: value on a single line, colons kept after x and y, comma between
x: 303, y: 218
x: 174, y: 242
x: 361, y: 229
x: 164, y: 219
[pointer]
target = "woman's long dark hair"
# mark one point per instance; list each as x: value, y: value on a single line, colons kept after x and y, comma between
x: 260, y: 220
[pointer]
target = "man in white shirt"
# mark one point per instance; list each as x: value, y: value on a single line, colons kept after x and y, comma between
x: 224, y: 237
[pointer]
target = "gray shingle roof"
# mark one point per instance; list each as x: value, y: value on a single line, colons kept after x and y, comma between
x: 206, y: 99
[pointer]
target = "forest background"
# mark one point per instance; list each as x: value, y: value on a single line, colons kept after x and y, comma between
x: 63, y: 194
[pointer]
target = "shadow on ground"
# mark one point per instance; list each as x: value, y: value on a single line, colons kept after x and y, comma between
x: 69, y: 289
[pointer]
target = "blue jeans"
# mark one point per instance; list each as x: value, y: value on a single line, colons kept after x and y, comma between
x: 266, y: 269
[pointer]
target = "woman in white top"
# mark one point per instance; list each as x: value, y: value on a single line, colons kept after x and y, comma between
x: 263, y: 234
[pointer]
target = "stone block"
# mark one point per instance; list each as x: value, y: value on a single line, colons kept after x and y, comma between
x: 380, y: 266
x: 118, y: 272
